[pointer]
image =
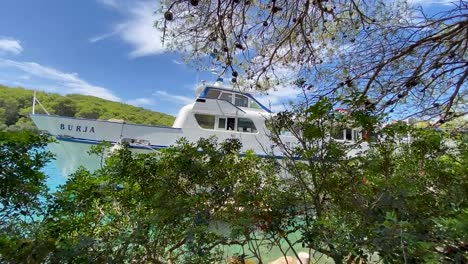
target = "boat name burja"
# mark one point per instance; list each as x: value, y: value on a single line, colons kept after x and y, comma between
x: 77, y: 128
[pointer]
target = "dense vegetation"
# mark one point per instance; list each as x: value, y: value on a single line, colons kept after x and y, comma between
x: 396, y: 203
x: 16, y: 104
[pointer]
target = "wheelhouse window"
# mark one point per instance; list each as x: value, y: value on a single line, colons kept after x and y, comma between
x: 254, y: 105
x: 226, y: 97
x: 246, y: 125
x: 234, y: 98
x: 205, y: 121
x: 241, y: 101
x: 212, y: 94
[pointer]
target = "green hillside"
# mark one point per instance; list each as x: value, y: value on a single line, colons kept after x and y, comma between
x: 16, y: 104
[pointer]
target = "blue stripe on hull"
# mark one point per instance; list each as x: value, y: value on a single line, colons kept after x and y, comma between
x: 95, y: 142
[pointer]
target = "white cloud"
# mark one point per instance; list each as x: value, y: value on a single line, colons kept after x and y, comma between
x: 110, y: 3
x: 69, y: 82
x: 277, y: 100
x: 137, y: 29
x: 141, y: 102
x: 105, y: 36
x: 141, y: 33
x: 10, y: 45
x: 179, y: 99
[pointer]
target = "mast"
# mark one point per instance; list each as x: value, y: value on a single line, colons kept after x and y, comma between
x: 34, y: 103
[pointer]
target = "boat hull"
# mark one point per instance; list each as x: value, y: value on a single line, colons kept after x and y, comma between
x: 94, y: 131
x: 75, y: 136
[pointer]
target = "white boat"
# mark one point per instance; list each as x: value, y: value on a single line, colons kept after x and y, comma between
x: 217, y: 111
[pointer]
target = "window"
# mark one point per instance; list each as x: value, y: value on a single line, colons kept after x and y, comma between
x: 212, y: 94
x: 357, y: 135
x: 231, y: 124
x: 222, y: 123
x: 246, y: 125
x: 226, y: 97
x: 337, y: 133
x: 205, y: 121
x: 254, y: 105
x: 241, y: 101
x: 349, y: 134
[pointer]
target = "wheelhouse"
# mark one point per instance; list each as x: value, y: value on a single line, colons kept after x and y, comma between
x: 239, y: 99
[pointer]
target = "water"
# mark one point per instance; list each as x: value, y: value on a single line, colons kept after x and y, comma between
x: 68, y: 158
x: 55, y: 178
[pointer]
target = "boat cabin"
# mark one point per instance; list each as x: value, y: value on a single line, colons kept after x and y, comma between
x: 222, y: 109
x: 239, y: 99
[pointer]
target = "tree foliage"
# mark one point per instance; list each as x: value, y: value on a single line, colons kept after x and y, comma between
x: 23, y: 192
x: 165, y: 207
x: 396, y: 202
x: 16, y: 105
x: 394, y: 196
x: 396, y: 56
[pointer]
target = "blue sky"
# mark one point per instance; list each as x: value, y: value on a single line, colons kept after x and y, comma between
x: 105, y: 48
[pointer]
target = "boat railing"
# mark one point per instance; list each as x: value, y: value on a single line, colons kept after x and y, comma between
x: 34, y: 104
